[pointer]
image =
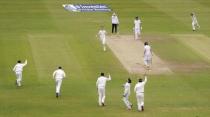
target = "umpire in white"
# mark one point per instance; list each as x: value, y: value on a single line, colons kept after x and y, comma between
x: 18, y: 69
x: 101, y: 85
x: 115, y: 22
x: 126, y: 94
x: 58, y: 75
x: 139, y: 90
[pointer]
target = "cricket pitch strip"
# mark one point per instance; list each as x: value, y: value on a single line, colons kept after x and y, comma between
x: 130, y: 54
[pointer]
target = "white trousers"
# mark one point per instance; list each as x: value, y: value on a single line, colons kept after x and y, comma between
x: 101, y: 95
x: 103, y: 40
x: 137, y: 33
x: 140, y: 100
x: 58, y: 83
x: 194, y: 25
x: 18, y: 78
x: 147, y: 60
x: 127, y: 102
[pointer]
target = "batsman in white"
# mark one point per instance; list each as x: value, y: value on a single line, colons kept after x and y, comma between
x: 195, y: 24
x: 18, y: 69
x: 147, y: 55
x: 137, y: 28
x: 58, y: 75
x: 126, y: 94
x: 102, y: 36
x: 101, y: 85
x: 139, y: 90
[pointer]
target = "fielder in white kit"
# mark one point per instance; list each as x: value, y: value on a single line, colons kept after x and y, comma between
x: 126, y: 94
x: 18, y: 69
x: 102, y: 37
x: 195, y: 24
x: 147, y: 55
x: 137, y: 28
x: 101, y: 85
x: 58, y: 75
x: 139, y: 90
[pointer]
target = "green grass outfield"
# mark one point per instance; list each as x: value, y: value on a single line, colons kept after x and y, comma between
x: 48, y: 36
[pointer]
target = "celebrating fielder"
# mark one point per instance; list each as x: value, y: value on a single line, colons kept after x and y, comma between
x: 126, y: 94
x: 18, y: 68
x: 101, y: 84
x: 139, y: 90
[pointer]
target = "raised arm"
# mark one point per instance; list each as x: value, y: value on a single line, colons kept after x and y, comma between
x: 145, y: 79
x: 14, y: 68
x: 109, y: 78
x: 54, y: 74
x: 64, y: 74
x: 25, y: 63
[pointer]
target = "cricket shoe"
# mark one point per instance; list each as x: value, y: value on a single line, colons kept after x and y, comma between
x: 131, y: 105
x: 57, y: 95
x: 142, y: 108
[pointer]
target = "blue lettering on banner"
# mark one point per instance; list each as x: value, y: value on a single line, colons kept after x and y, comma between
x: 87, y: 7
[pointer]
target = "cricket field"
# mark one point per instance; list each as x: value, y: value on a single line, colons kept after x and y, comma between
x: 48, y: 36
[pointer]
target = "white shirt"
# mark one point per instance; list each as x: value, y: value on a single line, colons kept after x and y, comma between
x: 102, y: 34
x: 19, y: 67
x: 137, y: 24
x: 59, y: 74
x: 194, y: 19
x: 127, y: 87
x: 147, y: 50
x: 101, y: 82
x: 115, y: 19
x: 139, y: 87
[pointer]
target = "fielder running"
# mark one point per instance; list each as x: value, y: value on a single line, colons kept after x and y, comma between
x: 58, y: 75
x: 139, y: 90
x: 101, y: 85
x: 18, y: 69
x: 195, y: 24
x: 147, y: 56
x: 102, y: 37
x: 137, y: 28
x: 126, y: 94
